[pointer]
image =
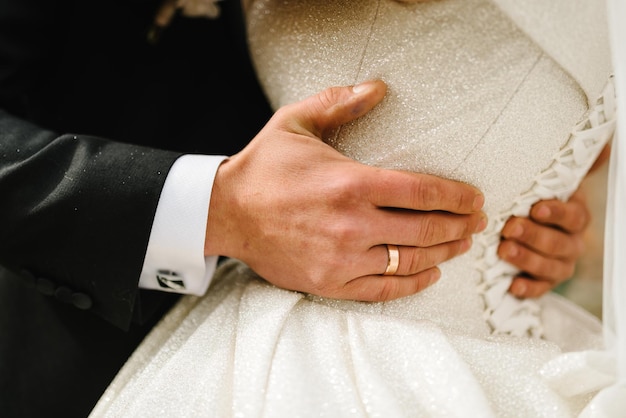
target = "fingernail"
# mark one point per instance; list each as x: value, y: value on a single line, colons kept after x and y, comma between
x: 465, y: 245
x: 516, y: 231
x: 543, y: 212
x: 434, y: 276
x: 518, y: 289
x: 362, y: 87
x: 512, y: 251
x: 479, y: 201
x: 482, y: 224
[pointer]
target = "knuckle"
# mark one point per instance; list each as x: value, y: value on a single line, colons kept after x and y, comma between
x: 425, y: 192
x: 552, y: 245
x: 418, y: 260
x: 460, y: 201
x: 584, y: 220
x: 329, y: 96
x: 319, y: 284
x: 429, y: 231
x: 388, y: 291
x: 342, y: 233
x: 578, y: 219
x: 343, y: 190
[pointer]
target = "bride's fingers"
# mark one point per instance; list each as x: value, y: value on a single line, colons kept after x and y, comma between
x: 572, y: 216
x: 528, y: 287
x: 545, y: 272
x: 383, y: 288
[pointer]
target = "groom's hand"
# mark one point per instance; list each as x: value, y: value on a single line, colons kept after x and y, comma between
x: 307, y: 218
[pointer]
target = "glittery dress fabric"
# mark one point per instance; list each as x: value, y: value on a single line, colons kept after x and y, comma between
x: 475, y: 94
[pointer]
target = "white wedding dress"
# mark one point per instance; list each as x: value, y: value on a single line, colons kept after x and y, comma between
x: 513, y: 97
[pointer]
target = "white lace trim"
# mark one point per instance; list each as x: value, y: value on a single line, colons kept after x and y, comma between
x: 505, y: 313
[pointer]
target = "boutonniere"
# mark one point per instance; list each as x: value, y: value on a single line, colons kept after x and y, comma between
x: 190, y: 8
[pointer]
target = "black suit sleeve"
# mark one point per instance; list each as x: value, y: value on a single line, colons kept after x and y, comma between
x: 92, y: 116
x: 76, y: 210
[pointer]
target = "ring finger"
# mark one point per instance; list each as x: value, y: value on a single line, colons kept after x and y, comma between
x: 412, y: 260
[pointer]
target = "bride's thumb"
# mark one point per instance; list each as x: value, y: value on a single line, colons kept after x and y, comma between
x: 336, y: 106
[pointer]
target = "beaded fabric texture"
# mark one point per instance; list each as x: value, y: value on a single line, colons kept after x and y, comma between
x: 471, y: 97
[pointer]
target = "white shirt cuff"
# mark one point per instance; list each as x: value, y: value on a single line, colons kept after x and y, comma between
x: 175, y: 260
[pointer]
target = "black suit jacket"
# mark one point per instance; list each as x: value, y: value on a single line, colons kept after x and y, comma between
x: 92, y: 116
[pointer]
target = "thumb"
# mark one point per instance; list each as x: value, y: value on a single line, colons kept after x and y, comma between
x: 326, y: 111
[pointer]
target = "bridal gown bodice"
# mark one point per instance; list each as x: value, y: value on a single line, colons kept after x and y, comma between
x: 473, y: 95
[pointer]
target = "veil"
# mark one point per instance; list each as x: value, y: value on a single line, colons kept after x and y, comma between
x: 605, y: 371
x: 611, y: 401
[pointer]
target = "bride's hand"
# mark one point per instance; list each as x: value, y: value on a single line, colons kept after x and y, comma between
x: 307, y: 218
x: 547, y: 245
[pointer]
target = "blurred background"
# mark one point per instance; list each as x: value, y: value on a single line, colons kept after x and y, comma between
x: 585, y: 288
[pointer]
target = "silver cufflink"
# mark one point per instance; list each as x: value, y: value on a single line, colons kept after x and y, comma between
x: 170, y: 280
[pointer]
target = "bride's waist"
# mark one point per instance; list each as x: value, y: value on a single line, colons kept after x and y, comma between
x: 454, y: 303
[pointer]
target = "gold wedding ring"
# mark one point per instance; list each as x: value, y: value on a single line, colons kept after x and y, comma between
x: 394, y: 260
